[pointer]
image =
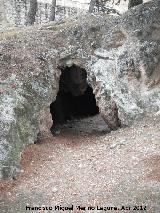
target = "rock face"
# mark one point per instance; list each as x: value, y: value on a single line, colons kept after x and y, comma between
x: 120, y: 54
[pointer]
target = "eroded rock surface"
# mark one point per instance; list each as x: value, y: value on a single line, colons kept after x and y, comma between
x: 120, y: 54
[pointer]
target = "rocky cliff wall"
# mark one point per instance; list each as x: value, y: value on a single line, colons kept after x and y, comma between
x: 120, y: 54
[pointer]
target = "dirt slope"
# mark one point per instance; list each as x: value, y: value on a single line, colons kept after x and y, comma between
x: 87, y: 166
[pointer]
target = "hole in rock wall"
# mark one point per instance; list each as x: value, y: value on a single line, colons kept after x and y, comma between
x: 75, y: 98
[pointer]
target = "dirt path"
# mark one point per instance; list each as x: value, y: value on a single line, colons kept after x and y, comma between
x: 87, y: 166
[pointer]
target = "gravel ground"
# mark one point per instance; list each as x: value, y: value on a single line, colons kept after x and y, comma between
x: 89, y: 167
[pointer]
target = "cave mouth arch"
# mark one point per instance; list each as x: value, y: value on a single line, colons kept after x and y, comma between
x: 75, y: 98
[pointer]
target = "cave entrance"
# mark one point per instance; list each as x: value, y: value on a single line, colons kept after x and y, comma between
x: 75, y: 98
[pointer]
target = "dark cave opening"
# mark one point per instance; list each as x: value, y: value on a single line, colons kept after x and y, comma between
x: 75, y: 98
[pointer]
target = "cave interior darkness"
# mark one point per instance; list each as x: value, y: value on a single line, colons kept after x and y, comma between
x: 75, y: 98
